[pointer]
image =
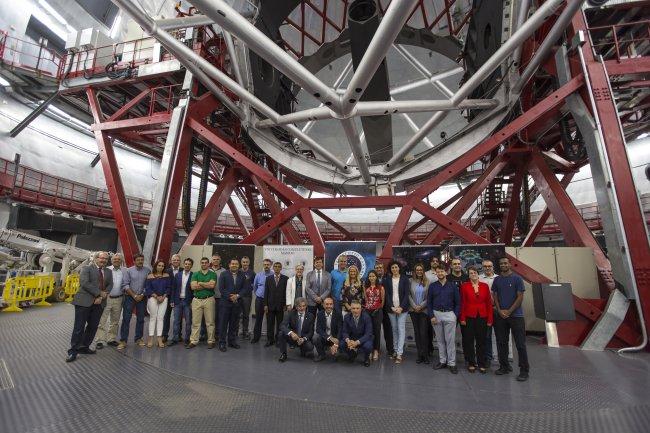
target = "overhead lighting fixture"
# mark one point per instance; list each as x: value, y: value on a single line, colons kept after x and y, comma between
x: 52, y: 12
x: 642, y: 136
x: 4, y: 82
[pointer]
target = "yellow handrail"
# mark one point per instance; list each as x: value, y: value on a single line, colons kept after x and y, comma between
x: 71, y: 286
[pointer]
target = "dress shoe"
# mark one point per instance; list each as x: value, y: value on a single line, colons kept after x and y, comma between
x: 234, y: 345
x: 523, y: 376
x: 71, y: 357
x: 268, y: 344
x: 439, y: 365
x: 510, y: 368
x: 502, y: 371
x: 113, y: 343
x: 222, y: 348
x: 366, y: 363
x: 171, y: 343
x: 426, y: 361
x: 190, y: 346
x: 99, y: 346
x: 211, y: 345
x: 319, y: 358
x: 418, y: 361
x: 246, y: 335
x: 453, y: 369
x: 87, y: 351
x: 255, y: 340
x: 283, y: 357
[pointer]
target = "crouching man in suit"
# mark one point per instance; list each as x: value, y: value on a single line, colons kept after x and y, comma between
x: 356, y: 335
x: 95, y: 282
x: 298, y: 329
x: 328, y: 330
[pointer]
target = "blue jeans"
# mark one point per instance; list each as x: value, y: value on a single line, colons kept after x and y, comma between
x: 398, y: 323
x: 182, y: 311
x: 127, y: 308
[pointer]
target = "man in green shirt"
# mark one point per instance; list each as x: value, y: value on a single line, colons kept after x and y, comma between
x: 202, y: 285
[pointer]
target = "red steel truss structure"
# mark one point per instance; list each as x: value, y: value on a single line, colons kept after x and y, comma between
x: 509, y: 155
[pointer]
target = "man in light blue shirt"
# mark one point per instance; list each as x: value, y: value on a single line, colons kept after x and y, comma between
x: 133, y: 280
x: 258, y: 288
x: 338, y: 279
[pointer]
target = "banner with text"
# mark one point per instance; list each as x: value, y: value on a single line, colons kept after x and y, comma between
x: 290, y: 256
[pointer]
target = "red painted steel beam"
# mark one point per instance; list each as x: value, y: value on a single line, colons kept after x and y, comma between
x: 237, y: 216
x: 510, y: 217
x: 633, y: 219
x: 271, y: 203
x: 266, y: 229
x: 443, y: 206
x: 636, y: 65
x: 133, y: 124
x: 547, y: 104
x: 469, y: 197
x: 347, y: 235
x: 125, y: 109
x: 119, y: 204
x: 260, y: 172
x: 536, y: 229
x: 313, y: 232
x: 172, y: 198
x: 397, y: 232
x: 575, y: 230
x: 208, y: 218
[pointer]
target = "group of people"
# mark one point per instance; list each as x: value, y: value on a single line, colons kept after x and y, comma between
x: 336, y: 313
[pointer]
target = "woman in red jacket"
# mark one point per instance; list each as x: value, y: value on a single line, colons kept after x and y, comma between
x: 475, y: 317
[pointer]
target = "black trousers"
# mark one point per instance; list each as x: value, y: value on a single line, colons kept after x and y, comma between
x: 502, y: 329
x: 421, y: 324
x: 273, y: 321
x: 474, y: 335
x: 306, y: 347
x: 388, y: 332
x: 321, y: 343
x: 259, y: 317
x: 377, y: 317
x: 167, y: 321
x: 228, y: 318
x: 314, y: 309
x: 86, y: 320
x: 245, y: 305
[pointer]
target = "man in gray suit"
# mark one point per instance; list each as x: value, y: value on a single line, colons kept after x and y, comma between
x: 319, y: 286
x: 95, y: 282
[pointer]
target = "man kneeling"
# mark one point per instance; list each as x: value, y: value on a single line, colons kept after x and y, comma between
x: 357, y: 333
x: 328, y: 330
x: 297, y: 328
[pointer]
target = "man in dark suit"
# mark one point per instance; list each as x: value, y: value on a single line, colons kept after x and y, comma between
x: 181, y: 300
x: 95, y: 282
x: 319, y: 286
x: 328, y: 330
x: 298, y: 329
x: 231, y: 285
x: 356, y: 335
x: 173, y: 270
x: 275, y: 294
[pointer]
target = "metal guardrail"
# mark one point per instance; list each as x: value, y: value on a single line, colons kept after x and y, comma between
x: 27, y: 288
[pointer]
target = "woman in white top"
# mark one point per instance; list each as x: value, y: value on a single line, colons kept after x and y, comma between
x: 295, y: 287
x: 397, y: 303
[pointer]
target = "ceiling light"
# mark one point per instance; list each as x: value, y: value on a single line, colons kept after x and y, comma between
x: 4, y: 82
x: 116, y: 26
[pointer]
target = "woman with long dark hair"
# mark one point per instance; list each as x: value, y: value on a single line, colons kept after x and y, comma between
x: 374, y: 294
x: 397, y: 300
x: 157, y: 289
x: 418, y: 311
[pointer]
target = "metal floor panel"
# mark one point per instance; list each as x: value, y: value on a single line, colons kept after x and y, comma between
x: 173, y: 389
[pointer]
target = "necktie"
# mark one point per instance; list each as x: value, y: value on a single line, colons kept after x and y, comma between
x: 277, y: 280
x: 318, y: 281
x: 356, y: 322
x: 101, y: 280
x: 300, y: 324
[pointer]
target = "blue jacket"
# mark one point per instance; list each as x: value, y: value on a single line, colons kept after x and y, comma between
x: 176, y: 289
x: 363, y: 332
x: 229, y: 285
x: 404, y: 288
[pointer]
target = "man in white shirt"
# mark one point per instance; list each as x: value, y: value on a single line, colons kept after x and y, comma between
x: 181, y: 300
x: 431, y: 275
x: 328, y: 330
x: 107, y: 330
